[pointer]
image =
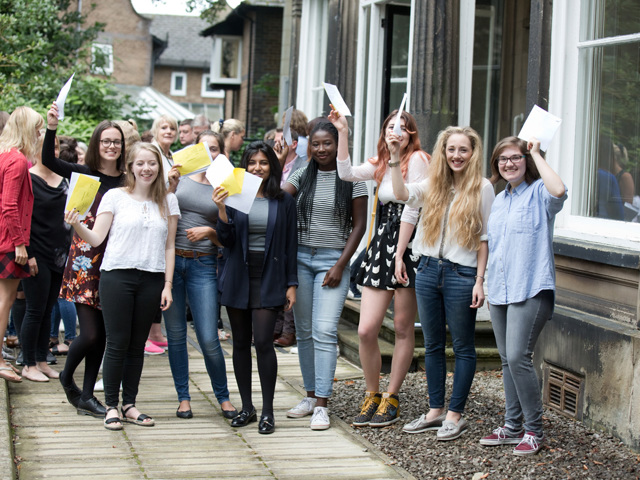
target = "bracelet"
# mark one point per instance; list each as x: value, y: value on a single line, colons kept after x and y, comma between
x: 480, y: 276
x: 394, y: 164
x: 169, y: 281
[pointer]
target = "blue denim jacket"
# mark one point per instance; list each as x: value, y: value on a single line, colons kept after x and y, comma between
x: 520, y: 231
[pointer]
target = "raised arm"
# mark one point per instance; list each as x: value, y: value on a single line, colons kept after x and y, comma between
x: 400, y: 190
x: 49, y: 160
x: 551, y: 179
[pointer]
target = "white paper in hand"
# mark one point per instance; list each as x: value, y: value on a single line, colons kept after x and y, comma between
x: 397, y: 128
x: 541, y: 125
x: 336, y: 99
x: 244, y: 201
x: 219, y: 170
x: 62, y: 97
x: 286, y: 129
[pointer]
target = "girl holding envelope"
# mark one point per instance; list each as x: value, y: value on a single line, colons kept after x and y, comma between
x: 81, y: 277
x: 17, y: 146
x: 388, y: 269
x: 259, y: 277
x: 332, y: 217
x: 137, y: 273
x: 195, y: 277
x: 521, y: 282
x: 452, y: 241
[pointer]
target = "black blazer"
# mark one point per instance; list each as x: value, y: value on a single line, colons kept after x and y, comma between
x: 280, y: 269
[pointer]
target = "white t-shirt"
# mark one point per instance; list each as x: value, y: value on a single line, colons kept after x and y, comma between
x: 451, y: 249
x: 138, y: 233
x: 416, y: 172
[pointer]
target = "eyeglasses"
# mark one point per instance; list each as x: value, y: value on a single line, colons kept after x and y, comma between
x: 514, y: 159
x: 107, y: 143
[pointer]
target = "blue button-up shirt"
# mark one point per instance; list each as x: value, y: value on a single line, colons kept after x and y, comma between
x: 521, y: 243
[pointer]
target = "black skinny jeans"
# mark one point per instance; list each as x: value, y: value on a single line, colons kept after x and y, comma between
x: 130, y: 300
x: 41, y: 293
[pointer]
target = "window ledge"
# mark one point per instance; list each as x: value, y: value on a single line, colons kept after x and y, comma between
x: 597, y: 252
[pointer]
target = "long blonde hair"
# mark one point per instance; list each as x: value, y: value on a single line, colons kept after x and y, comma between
x: 465, y: 218
x: 21, y: 132
x: 158, y: 188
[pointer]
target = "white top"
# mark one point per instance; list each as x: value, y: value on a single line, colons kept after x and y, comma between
x: 138, y: 233
x: 451, y: 250
x: 416, y: 172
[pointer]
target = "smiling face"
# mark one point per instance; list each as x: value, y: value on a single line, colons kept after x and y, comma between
x: 110, y: 145
x: 212, y: 141
x: 166, y: 135
x: 458, y: 152
x: 324, y: 149
x: 187, y: 136
x: 512, y: 172
x: 406, y: 136
x: 145, y: 168
x: 258, y: 165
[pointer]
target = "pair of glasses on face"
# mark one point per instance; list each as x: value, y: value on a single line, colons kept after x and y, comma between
x: 107, y: 143
x: 513, y: 158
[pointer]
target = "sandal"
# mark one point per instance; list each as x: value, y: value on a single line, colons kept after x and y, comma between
x: 150, y: 422
x: 12, y: 376
x: 113, y: 423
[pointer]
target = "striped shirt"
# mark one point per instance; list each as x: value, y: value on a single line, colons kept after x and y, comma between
x: 324, y: 230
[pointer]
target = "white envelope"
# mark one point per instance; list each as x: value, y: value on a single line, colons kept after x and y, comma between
x: 541, y: 125
x: 62, y: 97
x: 286, y: 129
x: 397, y: 128
x: 218, y: 172
x: 336, y: 99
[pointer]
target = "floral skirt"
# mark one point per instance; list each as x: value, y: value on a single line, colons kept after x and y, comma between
x: 81, y: 276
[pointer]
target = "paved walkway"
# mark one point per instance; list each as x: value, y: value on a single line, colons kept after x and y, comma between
x: 52, y: 441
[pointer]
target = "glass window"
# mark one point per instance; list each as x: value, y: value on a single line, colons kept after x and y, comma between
x: 102, y: 59
x: 178, y: 84
x: 226, y: 62
x: 207, y: 90
x: 609, y: 112
x: 397, y: 62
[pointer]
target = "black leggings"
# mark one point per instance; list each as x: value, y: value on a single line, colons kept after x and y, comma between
x: 261, y: 322
x: 87, y: 346
x: 130, y: 300
x: 41, y: 293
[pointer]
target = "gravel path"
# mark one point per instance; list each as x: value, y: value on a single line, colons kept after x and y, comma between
x: 571, y: 451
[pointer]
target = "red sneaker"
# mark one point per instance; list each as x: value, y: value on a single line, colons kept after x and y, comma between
x: 502, y: 436
x: 529, y: 445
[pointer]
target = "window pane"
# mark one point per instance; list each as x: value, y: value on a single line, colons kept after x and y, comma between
x: 178, y: 82
x: 230, y: 50
x: 399, y: 59
x: 609, y: 18
x: 609, y: 133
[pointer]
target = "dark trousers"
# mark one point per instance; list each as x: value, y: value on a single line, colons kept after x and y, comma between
x: 41, y: 293
x: 130, y: 300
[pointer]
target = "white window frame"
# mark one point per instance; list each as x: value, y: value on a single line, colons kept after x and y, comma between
x: 178, y: 92
x: 106, y: 50
x: 563, y: 102
x: 216, y: 60
x: 209, y: 93
x: 314, y: 25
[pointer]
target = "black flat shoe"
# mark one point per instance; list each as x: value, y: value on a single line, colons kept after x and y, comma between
x: 91, y: 407
x: 72, y: 392
x: 267, y: 424
x: 184, y: 414
x: 230, y: 414
x: 244, y: 418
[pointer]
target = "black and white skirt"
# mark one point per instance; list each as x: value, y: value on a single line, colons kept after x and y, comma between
x: 378, y: 267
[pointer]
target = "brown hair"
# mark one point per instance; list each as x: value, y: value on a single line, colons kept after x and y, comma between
x: 531, y: 174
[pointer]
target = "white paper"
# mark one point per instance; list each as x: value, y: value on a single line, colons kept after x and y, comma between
x: 218, y: 172
x: 244, y: 201
x: 62, y: 97
x: 541, y: 125
x: 72, y: 185
x: 397, y: 128
x: 336, y: 99
x: 286, y: 129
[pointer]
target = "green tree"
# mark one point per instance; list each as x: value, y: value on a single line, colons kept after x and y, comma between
x: 42, y: 42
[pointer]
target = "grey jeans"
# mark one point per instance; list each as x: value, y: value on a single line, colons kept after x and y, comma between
x: 517, y: 327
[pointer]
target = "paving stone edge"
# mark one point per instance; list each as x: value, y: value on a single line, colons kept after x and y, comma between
x: 7, y: 468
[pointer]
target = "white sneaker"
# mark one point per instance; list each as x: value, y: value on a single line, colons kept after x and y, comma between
x: 320, y: 419
x: 304, y: 408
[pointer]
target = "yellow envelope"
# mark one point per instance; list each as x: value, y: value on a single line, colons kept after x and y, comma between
x: 193, y: 158
x: 233, y: 183
x: 83, y: 194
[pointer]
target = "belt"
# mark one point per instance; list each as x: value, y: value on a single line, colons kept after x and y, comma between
x: 191, y: 253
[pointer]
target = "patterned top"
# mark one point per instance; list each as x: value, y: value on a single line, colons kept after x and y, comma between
x: 324, y: 229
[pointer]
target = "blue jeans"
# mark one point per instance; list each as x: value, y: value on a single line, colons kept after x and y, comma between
x: 444, y: 291
x: 195, y: 280
x: 517, y: 327
x: 66, y: 311
x: 317, y: 311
